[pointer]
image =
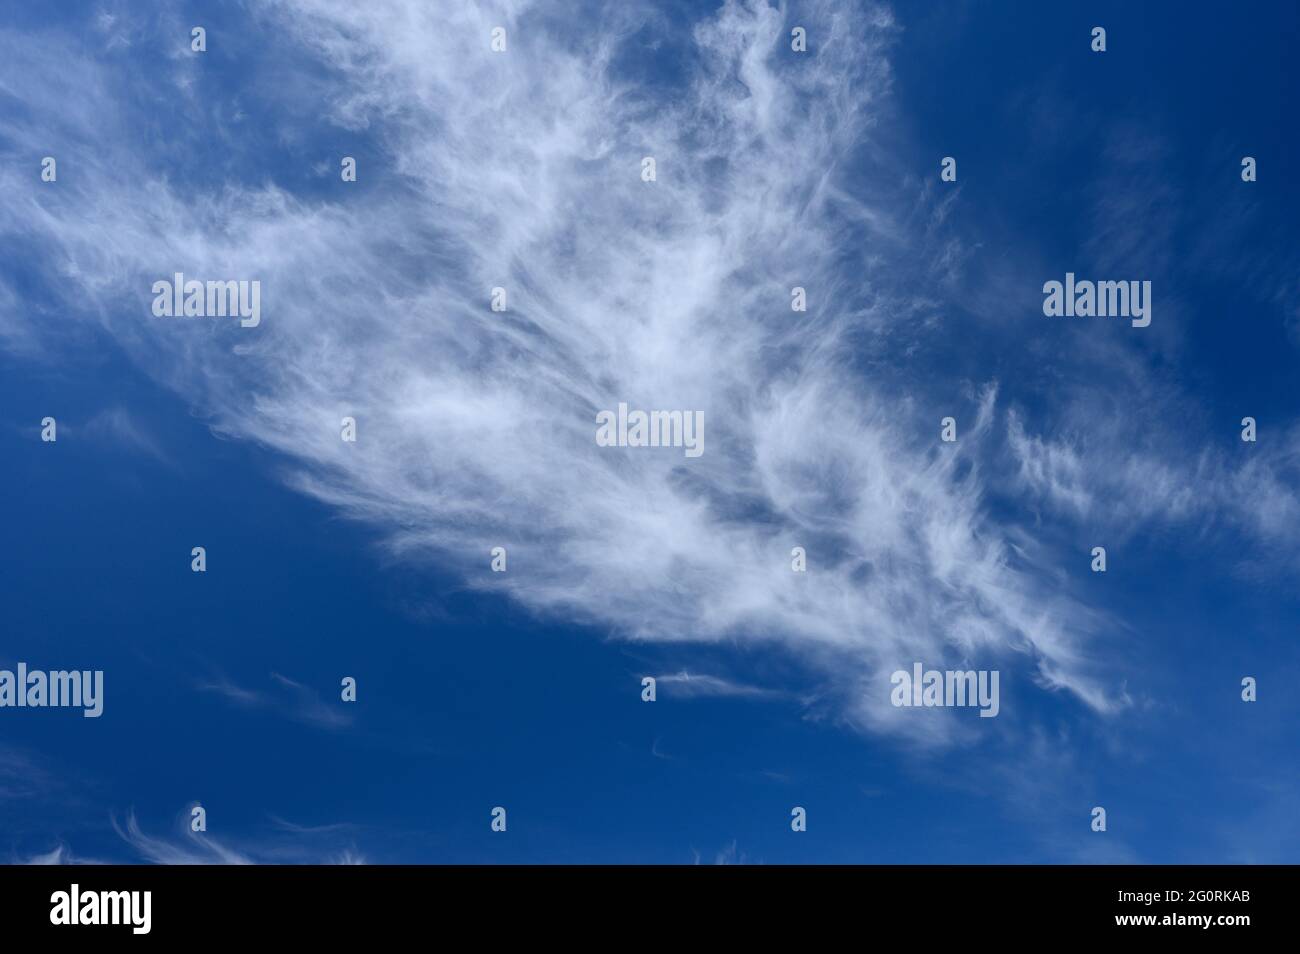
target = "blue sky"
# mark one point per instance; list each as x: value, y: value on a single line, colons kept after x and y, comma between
x: 522, y: 170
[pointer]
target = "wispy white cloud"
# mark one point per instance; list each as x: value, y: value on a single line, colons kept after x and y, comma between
x: 289, y: 697
x: 188, y: 847
x: 477, y: 428
x: 22, y: 776
x: 119, y: 427
x: 689, y: 685
x: 297, y: 829
x: 233, y: 693
x: 1115, y: 481
x: 308, y: 706
x: 728, y: 855
x: 58, y: 855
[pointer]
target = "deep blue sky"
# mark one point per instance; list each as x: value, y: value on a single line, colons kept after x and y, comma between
x: 468, y: 700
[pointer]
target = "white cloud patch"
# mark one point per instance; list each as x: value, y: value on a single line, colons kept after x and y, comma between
x: 476, y: 429
x: 1108, y: 478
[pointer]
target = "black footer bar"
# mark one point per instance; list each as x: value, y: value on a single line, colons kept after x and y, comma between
x: 603, y: 904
